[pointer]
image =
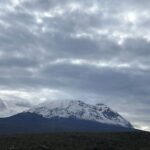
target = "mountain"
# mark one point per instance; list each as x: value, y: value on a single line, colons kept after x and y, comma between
x: 65, y: 116
x: 80, y: 110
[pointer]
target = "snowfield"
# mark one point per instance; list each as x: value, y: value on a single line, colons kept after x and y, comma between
x: 80, y: 110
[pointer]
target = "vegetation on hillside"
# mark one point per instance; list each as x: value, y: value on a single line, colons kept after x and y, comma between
x: 77, y: 141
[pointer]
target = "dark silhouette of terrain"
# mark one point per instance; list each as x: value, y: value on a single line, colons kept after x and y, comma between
x: 34, y: 123
x: 77, y: 141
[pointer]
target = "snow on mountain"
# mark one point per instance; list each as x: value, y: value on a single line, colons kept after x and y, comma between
x: 80, y: 110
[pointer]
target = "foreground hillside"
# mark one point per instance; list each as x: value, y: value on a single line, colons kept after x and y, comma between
x: 77, y: 141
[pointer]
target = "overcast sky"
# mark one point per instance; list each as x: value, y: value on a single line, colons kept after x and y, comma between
x: 93, y: 50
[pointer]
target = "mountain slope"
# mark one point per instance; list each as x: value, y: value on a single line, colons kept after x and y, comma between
x: 33, y: 123
x: 80, y: 110
x: 65, y: 116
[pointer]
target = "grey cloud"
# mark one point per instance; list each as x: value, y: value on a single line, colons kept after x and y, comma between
x: 137, y: 47
x: 23, y: 103
x: 17, y: 62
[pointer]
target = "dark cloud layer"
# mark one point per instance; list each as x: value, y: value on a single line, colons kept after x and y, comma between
x: 92, y: 50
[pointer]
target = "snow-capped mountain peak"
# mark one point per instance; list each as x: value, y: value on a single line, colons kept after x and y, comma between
x: 80, y: 110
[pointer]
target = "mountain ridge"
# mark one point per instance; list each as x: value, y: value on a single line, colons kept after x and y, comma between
x: 81, y: 110
x: 27, y: 123
x: 65, y: 116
